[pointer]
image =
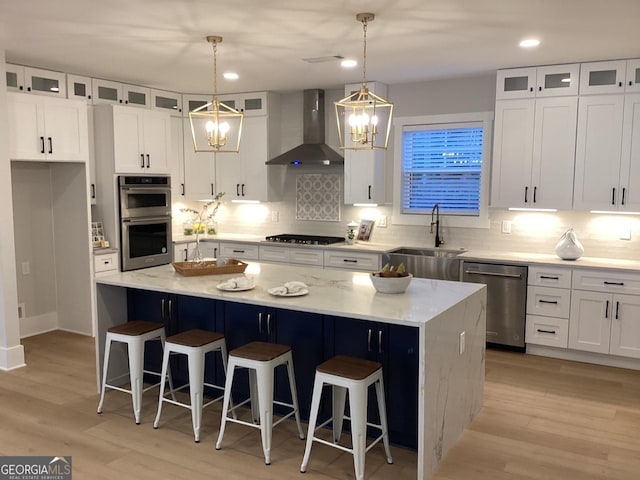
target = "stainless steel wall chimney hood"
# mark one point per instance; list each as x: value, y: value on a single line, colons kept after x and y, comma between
x: 313, y: 150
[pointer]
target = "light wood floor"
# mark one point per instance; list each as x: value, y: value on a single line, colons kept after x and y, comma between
x: 542, y: 419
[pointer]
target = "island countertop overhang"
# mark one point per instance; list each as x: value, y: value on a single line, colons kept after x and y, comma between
x: 331, y: 292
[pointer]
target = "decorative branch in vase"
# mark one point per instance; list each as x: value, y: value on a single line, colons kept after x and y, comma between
x: 203, y: 221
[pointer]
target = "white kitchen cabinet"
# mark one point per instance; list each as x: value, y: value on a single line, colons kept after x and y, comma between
x: 364, y: 170
x: 608, y: 153
x: 529, y: 82
x: 251, y: 104
x: 105, y: 263
x: 183, y: 252
x: 603, y: 77
x: 176, y: 158
x: 191, y: 102
x: 357, y: 261
x: 534, y: 153
x: 633, y: 76
x: 244, y: 176
x: 136, y: 96
x: 79, y: 87
x: 36, y: 80
x: 605, y: 312
x: 167, y: 102
x: 91, y: 165
x: 291, y: 255
x: 141, y: 139
x: 240, y: 251
x: 199, y: 167
x: 106, y: 92
x: 49, y: 129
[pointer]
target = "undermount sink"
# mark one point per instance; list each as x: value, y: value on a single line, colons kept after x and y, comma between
x: 434, y: 263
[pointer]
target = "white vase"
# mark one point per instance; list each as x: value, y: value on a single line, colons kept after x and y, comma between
x: 569, y: 247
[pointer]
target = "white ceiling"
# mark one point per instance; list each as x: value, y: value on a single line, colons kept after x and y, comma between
x: 160, y: 43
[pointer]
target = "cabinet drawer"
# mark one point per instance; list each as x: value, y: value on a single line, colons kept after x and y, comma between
x: 605, y: 281
x: 548, y: 301
x: 553, y: 332
x: 369, y: 262
x: 105, y: 262
x: 550, y: 277
x: 274, y: 254
x: 241, y: 251
x: 306, y: 256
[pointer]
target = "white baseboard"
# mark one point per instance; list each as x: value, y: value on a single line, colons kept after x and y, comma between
x: 586, y: 357
x: 30, y: 326
x: 12, y: 358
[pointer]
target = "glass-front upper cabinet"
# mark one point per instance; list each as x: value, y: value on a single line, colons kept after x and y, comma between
x: 547, y: 81
x: 106, y: 91
x: 603, y: 77
x: 136, y: 95
x: 15, y: 77
x: 633, y: 76
x: 79, y: 87
x: 191, y: 102
x: 167, y: 101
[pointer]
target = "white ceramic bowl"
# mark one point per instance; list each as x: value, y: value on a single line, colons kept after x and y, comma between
x: 390, y: 284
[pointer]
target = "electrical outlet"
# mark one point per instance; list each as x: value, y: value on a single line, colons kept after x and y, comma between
x: 625, y: 233
x: 275, y: 216
x: 461, y: 344
x: 506, y: 226
x: 382, y: 221
x: 26, y: 268
x: 21, y: 310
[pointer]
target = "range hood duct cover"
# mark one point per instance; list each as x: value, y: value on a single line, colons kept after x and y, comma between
x: 313, y: 151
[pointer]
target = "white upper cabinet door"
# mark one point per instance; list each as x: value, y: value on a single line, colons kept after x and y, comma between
x: 364, y: 176
x: 199, y: 167
x: 48, y: 129
x: 513, y: 153
x: 167, y: 102
x: 557, y: 80
x: 136, y: 96
x: 79, y: 87
x: 554, y: 152
x: 191, y: 102
x: 176, y: 158
x: 15, y: 77
x: 625, y: 326
x: 633, y: 76
x: 629, y: 192
x: 602, y: 77
x: 45, y: 82
x: 106, y: 91
x: 254, y: 155
x: 516, y: 83
x: 598, y: 151
x: 157, y: 141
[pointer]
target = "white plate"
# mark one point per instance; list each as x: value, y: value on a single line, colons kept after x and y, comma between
x: 299, y: 293
x: 238, y: 289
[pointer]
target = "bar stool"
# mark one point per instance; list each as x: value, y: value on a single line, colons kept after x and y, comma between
x: 135, y: 334
x: 354, y: 375
x: 195, y: 344
x: 261, y: 359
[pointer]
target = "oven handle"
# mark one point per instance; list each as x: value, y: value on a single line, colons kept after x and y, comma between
x: 146, y: 220
x: 146, y: 190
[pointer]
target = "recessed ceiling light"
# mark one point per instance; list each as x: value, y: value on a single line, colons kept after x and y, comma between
x: 529, y: 43
x: 348, y: 63
x: 230, y: 75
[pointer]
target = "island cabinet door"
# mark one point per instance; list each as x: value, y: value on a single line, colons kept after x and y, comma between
x: 396, y: 348
x: 303, y: 332
x: 153, y: 307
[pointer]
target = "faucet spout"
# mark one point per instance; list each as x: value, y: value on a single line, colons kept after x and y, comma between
x: 436, y: 212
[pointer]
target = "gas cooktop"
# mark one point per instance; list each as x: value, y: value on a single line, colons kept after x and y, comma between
x: 304, y: 239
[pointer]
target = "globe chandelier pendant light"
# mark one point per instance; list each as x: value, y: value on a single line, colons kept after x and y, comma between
x: 364, y: 118
x: 216, y: 127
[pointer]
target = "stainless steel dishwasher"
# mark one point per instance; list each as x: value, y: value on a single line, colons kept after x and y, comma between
x: 506, y: 300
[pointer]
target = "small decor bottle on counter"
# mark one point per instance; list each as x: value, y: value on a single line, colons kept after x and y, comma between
x: 569, y: 247
x: 352, y: 230
x: 212, y: 227
x: 187, y: 227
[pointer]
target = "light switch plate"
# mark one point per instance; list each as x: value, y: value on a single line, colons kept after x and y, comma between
x: 506, y: 226
x: 382, y: 221
x: 625, y: 233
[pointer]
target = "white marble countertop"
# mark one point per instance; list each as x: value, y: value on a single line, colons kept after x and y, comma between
x: 331, y: 292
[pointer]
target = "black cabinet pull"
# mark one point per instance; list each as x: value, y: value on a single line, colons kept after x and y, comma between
x: 379, y: 341
x: 242, y: 189
x: 624, y: 192
x: 93, y: 190
x: 142, y: 160
x: 50, y: 144
x: 148, y: 161
x: 212, y: 189
x: 539, y: 89
x: 613, y: 196
x: 182, y: 188
x: 630, y: 83
x: 238, y: 251
x: 535, y: 191
x: 237, y: 189
x: 546, y: 331
x: 260, y: 323
x: 531, y: 89
x: 526, y: 194
x: 170, y: 308
x: 620, y: 284
x: 215, y: 252
x: 186, y: 254
x: 549, y: 278
x: 268, y: 324
x: 41, y: 144
x: 606, y: 310
x: 617, y: 310
x: 619, y: 84
x: 349, y: 260
x: 369, y: 341
x: 554, y: 302
x: 162, y: 314
x: 369, y: 192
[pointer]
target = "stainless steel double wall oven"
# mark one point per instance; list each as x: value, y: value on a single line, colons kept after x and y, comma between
x: 145, y: 221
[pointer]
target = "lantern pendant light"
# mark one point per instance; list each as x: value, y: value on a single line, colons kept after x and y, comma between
x: 216, y: 127
x: 364, y: 118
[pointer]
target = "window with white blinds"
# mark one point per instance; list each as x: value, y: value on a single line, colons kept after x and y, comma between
x: 442, y: 164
